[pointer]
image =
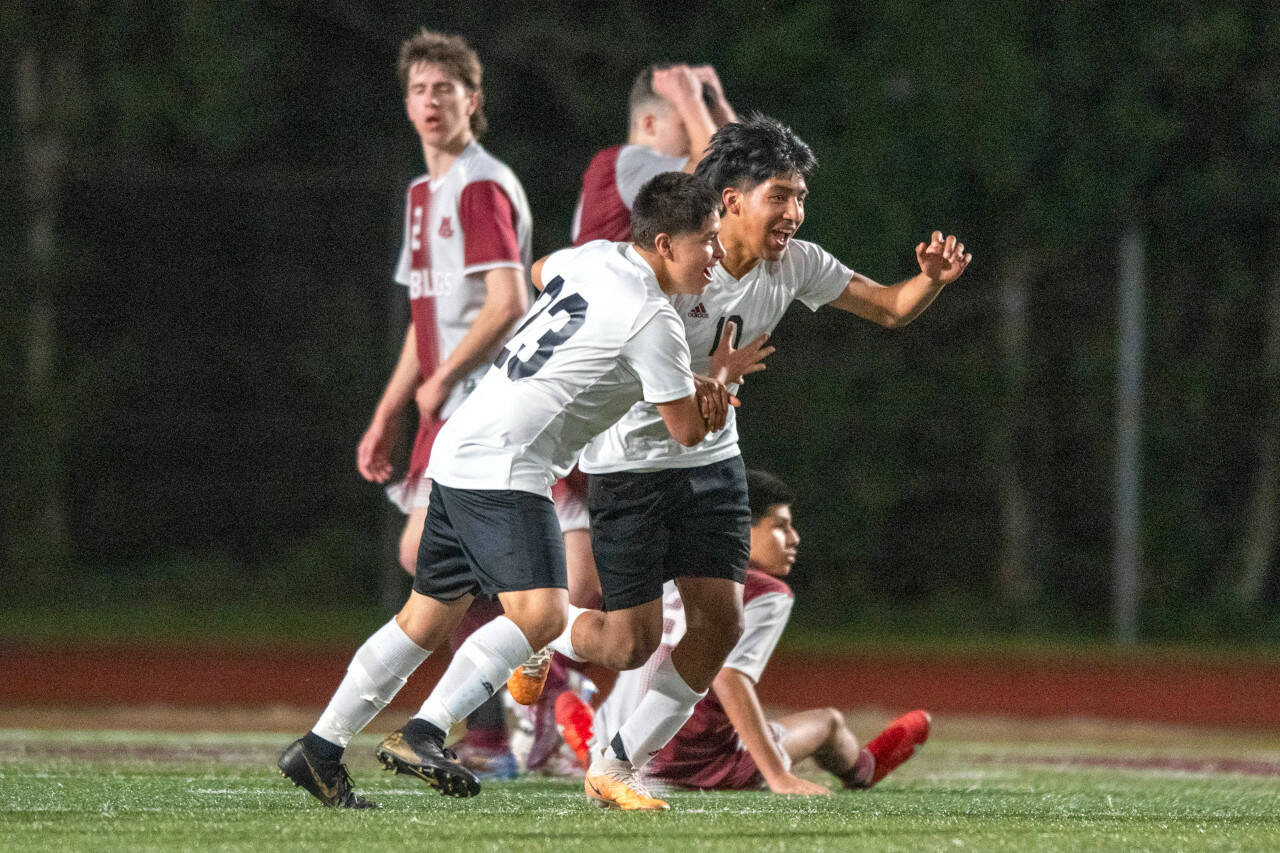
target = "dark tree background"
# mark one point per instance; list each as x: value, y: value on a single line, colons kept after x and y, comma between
x: 201, y: 217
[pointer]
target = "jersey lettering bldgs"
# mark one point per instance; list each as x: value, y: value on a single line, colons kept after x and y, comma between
x: 755, y: 303
x: 599, y: 338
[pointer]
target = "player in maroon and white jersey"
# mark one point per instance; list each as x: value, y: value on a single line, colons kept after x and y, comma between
x: 467, y: 245
x: 674, y: 110
x: 463, y: 260
x: 728, y: 743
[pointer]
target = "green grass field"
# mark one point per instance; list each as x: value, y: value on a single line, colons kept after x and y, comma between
x: 978, y: 785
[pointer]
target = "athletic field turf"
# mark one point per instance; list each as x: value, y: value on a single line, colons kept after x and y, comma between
x: 977, y: 785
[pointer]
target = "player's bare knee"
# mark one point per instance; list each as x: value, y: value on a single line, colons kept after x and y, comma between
x: 538, y: 626
x: 715, y: 631
x: 834, y: 721
x: 633, y: 649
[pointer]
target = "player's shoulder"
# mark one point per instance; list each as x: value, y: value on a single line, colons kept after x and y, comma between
x: 418, y: 181
x: 606, y: 155
x: 758, y: 583
x: 800, y: 253
x: 479, y: 165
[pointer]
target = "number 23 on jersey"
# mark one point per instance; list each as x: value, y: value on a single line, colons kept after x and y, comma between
x: 572, y: 305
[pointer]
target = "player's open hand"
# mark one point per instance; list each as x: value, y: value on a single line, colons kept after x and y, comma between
x: 789, y: 784
x: 373, y: 453
x: 732, y: 366
x: 944, y: 259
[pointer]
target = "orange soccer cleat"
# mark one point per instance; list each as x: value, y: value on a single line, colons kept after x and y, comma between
x: 525, y: 684
x: 615, y: 784
x: 898, y: 742
x: 574, y: 719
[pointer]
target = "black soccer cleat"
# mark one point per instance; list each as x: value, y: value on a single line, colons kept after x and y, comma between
x: 430, y: 762
x: 327, y: 781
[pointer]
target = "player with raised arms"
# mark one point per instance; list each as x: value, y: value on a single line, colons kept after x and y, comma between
x: 601, y: 336
x: 662, y: 511
x: 673, y: 110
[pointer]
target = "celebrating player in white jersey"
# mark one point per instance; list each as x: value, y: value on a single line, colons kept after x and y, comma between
x: 602, y: 336
x: 674, y: 109
x: 660, y: 511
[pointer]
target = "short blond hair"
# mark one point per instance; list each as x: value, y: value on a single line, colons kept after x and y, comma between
x: 456, y: 56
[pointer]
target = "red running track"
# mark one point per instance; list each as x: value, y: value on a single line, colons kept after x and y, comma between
x: 1237, y: 694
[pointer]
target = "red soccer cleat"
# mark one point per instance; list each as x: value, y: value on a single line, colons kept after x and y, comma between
x: 574, y: 719
x: 898, y: 742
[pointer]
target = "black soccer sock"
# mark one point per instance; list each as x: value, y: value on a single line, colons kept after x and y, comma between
x: 419, y: 728
x: 490, y: 714
x: 323, y: 749
x: 619, y: 751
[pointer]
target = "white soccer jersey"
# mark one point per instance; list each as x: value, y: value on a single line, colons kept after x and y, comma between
x: 600, y: 337
x: 756, y: 303
x: 766, y: 609
x: 471, y: 219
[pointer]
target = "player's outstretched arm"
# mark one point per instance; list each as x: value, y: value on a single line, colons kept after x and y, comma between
x: 373, y: 453
x: 942, y: 260
x: 737, y: 694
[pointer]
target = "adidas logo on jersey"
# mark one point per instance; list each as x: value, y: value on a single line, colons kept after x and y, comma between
x: 699, y: 312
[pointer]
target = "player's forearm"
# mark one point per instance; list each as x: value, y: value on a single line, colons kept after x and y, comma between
x: 403, y: 382
x: 683, y: 420
x: 738, y: 697
x: 892, y: 306
x: 504, y: 305
x: 700, y: 126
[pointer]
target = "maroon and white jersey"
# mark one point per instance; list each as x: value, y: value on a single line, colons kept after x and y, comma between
x: 471, y: 219
x: 609, y: 188
x: 706, y: 752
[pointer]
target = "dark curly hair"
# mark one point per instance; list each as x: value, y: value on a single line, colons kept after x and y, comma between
x: 745, y: 154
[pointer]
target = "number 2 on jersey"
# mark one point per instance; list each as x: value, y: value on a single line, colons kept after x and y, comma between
x: 573, y: 305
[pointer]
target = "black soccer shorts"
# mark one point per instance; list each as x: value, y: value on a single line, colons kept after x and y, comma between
x: 483, y: 541
x: 647, y: 528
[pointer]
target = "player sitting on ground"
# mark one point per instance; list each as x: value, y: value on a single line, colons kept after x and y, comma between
x: 728, y: 743
x: 602, y: 335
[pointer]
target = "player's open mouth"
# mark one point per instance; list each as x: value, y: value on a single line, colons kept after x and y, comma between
x: 779, y: 238
x: 706, y: 274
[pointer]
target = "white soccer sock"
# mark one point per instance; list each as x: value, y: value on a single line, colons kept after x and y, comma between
x: 666, y: 706
x: 480, y: 667
x: 377, y: 672
x: 564, y: 643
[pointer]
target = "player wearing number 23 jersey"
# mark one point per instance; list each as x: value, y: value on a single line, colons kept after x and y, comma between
x: 600, y: 337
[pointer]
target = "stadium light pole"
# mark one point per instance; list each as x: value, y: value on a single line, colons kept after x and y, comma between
x: 1127, y: 546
